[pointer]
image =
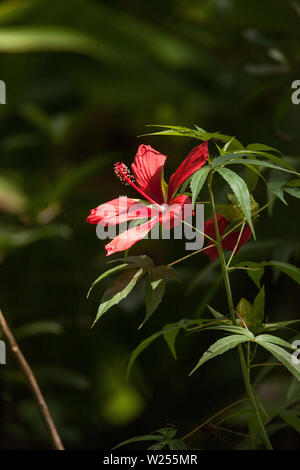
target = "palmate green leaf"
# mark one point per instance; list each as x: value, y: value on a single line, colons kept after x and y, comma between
x: 258, y: 309
x: 108, y: 273
x: 167, y: 331
x: 118, y: 290
x: 197, y: 182
x: 140, y: 348
x: 155, y: 288
x: 295, y: 192
x: 219, y: 347
x: 262, y: 147
x: 230, y: 212
x: 291, y: 418
x: 240, y: 190
x: 274, y: 340
x: 252, y: 177
x: 186, y: 132
x: 170, y: 334
x: 255, y: 271
x: 140, y: 261
x: 282, y: 356
x: 215, y: 313
x: 177, y: 444
x: 249, y: 161
x: 287, y: 268
x: 279, y: 325
x: 275, y: 189
x: 279, y: 160
x: 232, y: 329
x: 146, y: 437
x: 232, y: 145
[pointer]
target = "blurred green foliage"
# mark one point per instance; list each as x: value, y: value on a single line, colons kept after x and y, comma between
x: 83, y: 79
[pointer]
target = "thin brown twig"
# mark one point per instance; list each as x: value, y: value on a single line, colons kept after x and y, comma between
x: 213, y: 417
x: 42, y: 405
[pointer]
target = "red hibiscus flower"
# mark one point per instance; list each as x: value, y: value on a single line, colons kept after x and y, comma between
x: 230, y: 241
x: 165, y: 207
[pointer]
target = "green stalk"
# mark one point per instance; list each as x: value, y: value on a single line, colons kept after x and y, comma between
x: 244, y: 366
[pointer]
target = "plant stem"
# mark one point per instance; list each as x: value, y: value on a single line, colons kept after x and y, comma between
x: 245, y: 368
x: 42, y: 405
x: 212, y: 418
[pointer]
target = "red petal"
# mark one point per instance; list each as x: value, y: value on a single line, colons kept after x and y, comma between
x: 117, y: 211
x: 209, y: 229
x: 147, y: 169
x: 229, y: 242
x: 126, y: 239
x: 193, y: 162
x: 180, y: 208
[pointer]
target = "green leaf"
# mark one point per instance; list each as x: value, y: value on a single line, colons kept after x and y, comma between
x: 141, y: 261
x: 262, y: 147
x: 215, y: 313
x: 274, y: 340
x: 197, y: 182
x: 279, y: 325
x: 170, y: 335
x: 146, y: 437
x: 232, y: 329
x: 118, y: 290
x: 291, y: 419
x: 111, y: 271
x: 282, y: 356
x: 166, y: 331
x: 244, y: 308
x: 274, y: 188
x: 240, y: 190
x: 257, y: 153
x: 230, y: 212
x: 177, y: 444
x: 140, y: 348
x: 248, y: 161
x: 289, y: 269
x: 295, y: 192
x: 155, y: 289
x: 255, y: 271
x: 221, y: 346
x: 232, y: 145
x: 258, y: 309
x: 186, y: 132
x: 252, y: 177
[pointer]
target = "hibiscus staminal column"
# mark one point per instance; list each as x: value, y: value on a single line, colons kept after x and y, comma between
x: 124, y: 174
x: 245, y: 367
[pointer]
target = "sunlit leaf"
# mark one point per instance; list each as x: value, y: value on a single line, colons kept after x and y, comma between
x: 240, y: 190
x: 220, y: 347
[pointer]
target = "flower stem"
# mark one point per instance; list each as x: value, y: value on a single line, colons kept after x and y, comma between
x: 40, y: 400
x: 244, y: 366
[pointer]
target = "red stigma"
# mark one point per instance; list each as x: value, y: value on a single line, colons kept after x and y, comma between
x: 123, y: 173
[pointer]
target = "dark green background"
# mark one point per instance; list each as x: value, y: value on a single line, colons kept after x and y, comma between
x: 83, y: 80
